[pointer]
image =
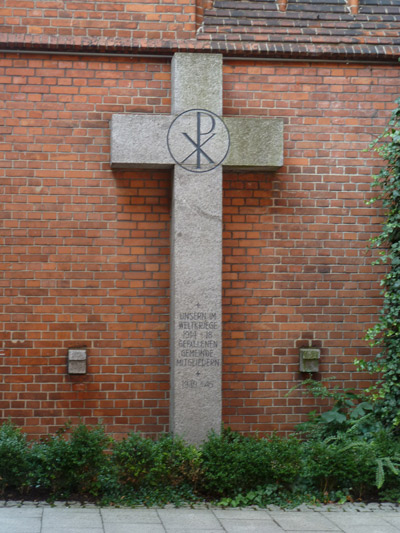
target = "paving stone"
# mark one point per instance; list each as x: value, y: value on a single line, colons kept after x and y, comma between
x: 128, y: 516
x: 182, y: 519
x: 193, y: 529
x: 383, y: 528
x: 250, y: 526
x: 241, y: 514
x: 71, y: 518
x: 71, y: 529
x: 133, y: 528
x: 295, y: 521
x: 21, y: 512
x: 392, y: 520
x: 20, y: 525
x: 351, y: 521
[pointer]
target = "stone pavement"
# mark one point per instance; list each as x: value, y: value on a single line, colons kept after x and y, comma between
x: 348, y: 518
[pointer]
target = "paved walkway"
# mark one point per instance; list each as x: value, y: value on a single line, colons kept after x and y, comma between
x: 349, y: 518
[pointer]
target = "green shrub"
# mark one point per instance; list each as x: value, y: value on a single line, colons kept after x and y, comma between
x: 156, y: 471
x: 71, y: 467
x: 334, y: 464
x: 133, y: 458
x: 234, y: 463
x: 236, y: 469
x: 362, y: 467
x: 176, y: 462
x: 14, y: 463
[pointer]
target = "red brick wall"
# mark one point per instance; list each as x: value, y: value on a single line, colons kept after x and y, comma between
x: 85, y: 250
x: 297, y: 269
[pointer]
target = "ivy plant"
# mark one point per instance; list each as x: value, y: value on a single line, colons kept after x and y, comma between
x: 385, y: 334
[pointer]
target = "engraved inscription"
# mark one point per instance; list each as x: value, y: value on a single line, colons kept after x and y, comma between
x: 198, y: 346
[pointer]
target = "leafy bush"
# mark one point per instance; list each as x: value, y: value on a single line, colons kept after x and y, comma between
x: 156, y: 471
x: 235, y: 469
x: 334, y: 464
x: 71, y: 467
x: 133, y: 458
x: 234, y: 463
x: 14, y: 463
x: 176, y: 462
x: 361, y: 467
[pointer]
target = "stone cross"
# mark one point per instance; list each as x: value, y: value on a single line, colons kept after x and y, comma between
x: 196, y: 142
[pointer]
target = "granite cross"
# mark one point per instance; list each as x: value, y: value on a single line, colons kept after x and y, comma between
x: 196, y: 142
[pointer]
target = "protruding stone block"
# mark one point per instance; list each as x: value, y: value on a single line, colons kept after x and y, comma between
x: 140, y: 141
x: 77, y: 361
x: 256, y: 143
x: 196, y: 82
x: 309, y: 359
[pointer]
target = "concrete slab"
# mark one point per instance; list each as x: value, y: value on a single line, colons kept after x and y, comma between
x: 392, y: 520
x: 304, y: 522
x: 21, y: 512
x: 129, y: 516
x: 71, y: 518
x: 180, y: 520
x: 68, y: 529
x: 241, y: 514
x: 348, y: 521
x: 133, y: 528
x: 20, y: 525
x: 383, y: 528
x: 193, y: 529
x: 250, y: 526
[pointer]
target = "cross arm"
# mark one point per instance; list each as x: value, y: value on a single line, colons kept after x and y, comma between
x: 256, y: 143
x: 140, y: 141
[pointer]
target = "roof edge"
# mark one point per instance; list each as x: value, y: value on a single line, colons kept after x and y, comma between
x: 105, y: 45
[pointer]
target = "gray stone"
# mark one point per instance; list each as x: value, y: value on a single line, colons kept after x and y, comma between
x: 296, y: 521
x: 133, y: 528
x: 197, y: 142
x: 251, y: 526
x: 197, y: 127
x: 15, y: 525
x: 256, y: 143
x: 241, y: 514
x: 139, y: 141
x: 196, y: 269
x: 183, y: 519
x: 77, y: 361
x: 130, y: 516
x: 196, y: 82
x: 349, y: 521
x: 196, y: 266
x: 309, y: 359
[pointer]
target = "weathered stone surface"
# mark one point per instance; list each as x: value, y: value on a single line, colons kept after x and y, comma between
x: 139, y: 141
x: 196, y: 267
x: 196, y: 250
x: 309, y: 359
x: 256, y: 143
x: 198, y: 140
x: 77, y: 361
x: 196, y: 82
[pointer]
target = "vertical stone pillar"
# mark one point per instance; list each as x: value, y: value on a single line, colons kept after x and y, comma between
x: 196, y: 249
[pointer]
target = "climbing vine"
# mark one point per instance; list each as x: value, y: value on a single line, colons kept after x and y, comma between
x: 385, y: 334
